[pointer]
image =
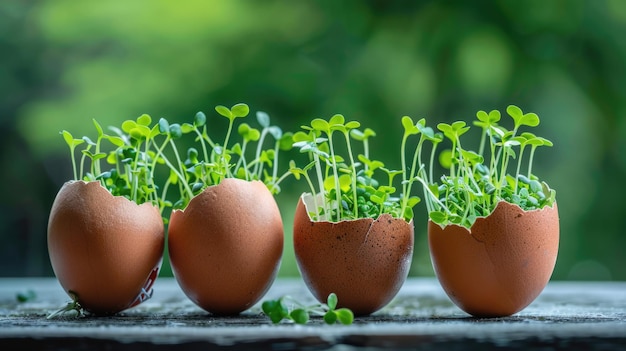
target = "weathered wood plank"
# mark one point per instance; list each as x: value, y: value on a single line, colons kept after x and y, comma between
x: 589, y: 315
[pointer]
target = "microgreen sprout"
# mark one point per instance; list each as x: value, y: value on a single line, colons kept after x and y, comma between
x: 72, y: 309
x: 26, y: 296
x: 345, y: 188
x: 287, y: 308
x: 477, y: 181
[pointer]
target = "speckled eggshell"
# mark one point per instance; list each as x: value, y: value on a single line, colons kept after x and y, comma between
x: 499, y: 266
x: 225, y: 247
x: 364, y: 261
x: 104, y: 249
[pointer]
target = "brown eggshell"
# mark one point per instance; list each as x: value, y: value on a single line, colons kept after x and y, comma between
x: 499, y: 266
x: 363, y: 261
x: 225, y: 247
x: 104, y: 248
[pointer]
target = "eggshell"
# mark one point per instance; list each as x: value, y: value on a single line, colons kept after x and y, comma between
x: 499, y: 266
x: 225, y: 247
x: 104, y: 249
x: 363, y: 261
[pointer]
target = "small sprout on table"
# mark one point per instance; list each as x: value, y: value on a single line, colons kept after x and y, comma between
x: 26, y: 296
x: 278, y: 310
x: 72, y: 309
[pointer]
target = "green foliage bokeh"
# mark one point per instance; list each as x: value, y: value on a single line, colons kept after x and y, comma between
x: 65, y: 62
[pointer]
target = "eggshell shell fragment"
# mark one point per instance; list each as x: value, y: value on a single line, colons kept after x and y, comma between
x: 363, y: 261
x: 499, y: 266
x: 225, y: 247
x: 104, y: 249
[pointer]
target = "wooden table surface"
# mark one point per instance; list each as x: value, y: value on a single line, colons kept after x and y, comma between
x: 567, y: 315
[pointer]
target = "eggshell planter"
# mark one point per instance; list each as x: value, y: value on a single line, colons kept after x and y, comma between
x: 501, y: 264
x: 363, y: 261
x: 225, y: 247
x: 104, y: 249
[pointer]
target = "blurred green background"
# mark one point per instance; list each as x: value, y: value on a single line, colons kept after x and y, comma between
x: 65, y: 62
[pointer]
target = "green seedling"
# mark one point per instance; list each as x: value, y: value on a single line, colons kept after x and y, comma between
x: 477, y: 181
x: 281, y: 309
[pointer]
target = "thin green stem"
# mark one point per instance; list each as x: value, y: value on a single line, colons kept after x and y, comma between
x: 242, y: 160
x: 150, y: 172
x: 421, y: 173
x: 135, y: 172
x: 432, y: 195
x: 254, y: 163
x: 452, y: 170
x: 353, y: 176
x: 166, y: 186
x: 483, y: 137
x: 467, y: 170
x: 432, y: 161
x: 258, y: 166
x: 417, y: 157
x: 181, y: 174
x: 336, y: 175
x: 96, y: 164
x: 493, y: 169
x: 530, y: 161
x: 202, y: 142
x: 128, y: 171
x: 504, y: 165
x: 313, y: 194
x: 403, y: 164
x: 519, y: 165
x: 492, y: 159
x: 182, y: 183
x: 224, y: 163
x: 275, y: 161
x: 468, y: 205
x: 206, y: 138
x: 320, y: 179
x: 73, y: 156
x: 158, y: 154
x: 82, y: 161
x: 405, y: 180
x: 276, y: 182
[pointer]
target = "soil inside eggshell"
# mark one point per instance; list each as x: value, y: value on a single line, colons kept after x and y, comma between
x: 352, y: 257
x: 104, y: 249
x: 225, y: 247
x: 501, y: 264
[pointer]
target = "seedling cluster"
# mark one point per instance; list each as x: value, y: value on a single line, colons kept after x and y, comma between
x: 140, y: 146
x: 477, y: 181
x: 215, y: 161
x: 280, y: 309
x: 130, y: 158
x: 346, y: 187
